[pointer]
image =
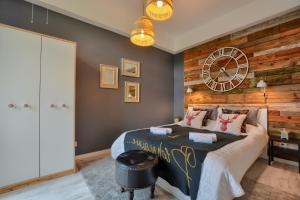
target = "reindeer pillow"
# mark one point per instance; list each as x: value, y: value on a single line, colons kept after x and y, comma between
x: 194, y: 118
x: 230, y: 123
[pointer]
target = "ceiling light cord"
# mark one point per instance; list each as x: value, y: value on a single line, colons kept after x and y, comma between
x: 47, y: 17
x: 32, y: 8
x: 143, y: 8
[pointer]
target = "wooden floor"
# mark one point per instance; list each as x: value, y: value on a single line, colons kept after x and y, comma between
x: 284, y: 177
x: 281, y: 176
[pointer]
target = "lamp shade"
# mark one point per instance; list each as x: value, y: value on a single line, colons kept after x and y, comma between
x: 143, y: 32
x: 159, y: 10
x: 189, y: 90
x: 261, y: 84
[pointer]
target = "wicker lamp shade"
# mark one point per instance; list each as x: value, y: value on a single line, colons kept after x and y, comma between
x: 143, y: 32
x: 159, y: 10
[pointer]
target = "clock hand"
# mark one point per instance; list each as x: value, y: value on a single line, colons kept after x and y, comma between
x: 217, y: 75
x: 227, y: 63
x: 223, y: 70
x: 224, y: 65
x: 216, y: 65
x: 227, y: 74
x: 220, y: 71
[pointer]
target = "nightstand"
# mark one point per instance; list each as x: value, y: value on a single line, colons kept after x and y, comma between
x: 284, y: 153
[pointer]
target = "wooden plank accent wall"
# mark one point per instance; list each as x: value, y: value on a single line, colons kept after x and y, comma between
x: 273, y: 50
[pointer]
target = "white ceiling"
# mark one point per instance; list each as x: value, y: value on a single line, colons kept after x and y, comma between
x: 194, y: 21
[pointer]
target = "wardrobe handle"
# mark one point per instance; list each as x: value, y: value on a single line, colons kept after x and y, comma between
x: 26, y: 105
x: 52, y: 106
x: 64, y: 105
x: 11, y: 105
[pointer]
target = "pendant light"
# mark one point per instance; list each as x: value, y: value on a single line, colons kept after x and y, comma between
x: 159, y: 10
x: 143, y: 32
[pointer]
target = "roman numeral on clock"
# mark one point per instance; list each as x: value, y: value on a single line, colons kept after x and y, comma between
x: 243, y: 65
x: 212, y: 57
x: 223, y: 87
x: 208, y: 80
x: 205, y: 72
x: 208, y: 62
x: 221, y: 52
x: 233, y: 52
x: 239, y: 77
x: 241, y: 55
x: 231, y: 84
x: 214, y: 85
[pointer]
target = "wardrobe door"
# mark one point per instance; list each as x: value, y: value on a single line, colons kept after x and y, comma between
x: 57, y: 106
x: 19, y: 105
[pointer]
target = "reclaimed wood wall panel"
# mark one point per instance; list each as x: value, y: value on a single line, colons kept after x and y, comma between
x: 273, y: 50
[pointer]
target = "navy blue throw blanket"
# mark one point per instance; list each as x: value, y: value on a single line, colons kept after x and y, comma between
x: 180, y: 159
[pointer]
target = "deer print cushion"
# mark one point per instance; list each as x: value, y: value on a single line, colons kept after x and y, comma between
x: 230, y: 123
x: 229, y: 111
x: 194, y: 119
x: 251, y: 115
x: 206, y: 117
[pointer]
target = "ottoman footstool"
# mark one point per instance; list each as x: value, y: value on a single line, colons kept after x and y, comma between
x: 136, y: 170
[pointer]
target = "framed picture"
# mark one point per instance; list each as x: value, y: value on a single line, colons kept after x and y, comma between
x: 108, y: 76
x: 130, y: 68
x: 132, y: 92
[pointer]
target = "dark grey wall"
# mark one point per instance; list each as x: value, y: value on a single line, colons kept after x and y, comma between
x: 101, y: 114
x: 178, y: 84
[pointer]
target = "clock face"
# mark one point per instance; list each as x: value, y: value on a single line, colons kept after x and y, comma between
x: 225, y: 69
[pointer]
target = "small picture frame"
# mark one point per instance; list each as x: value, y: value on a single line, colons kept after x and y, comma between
x: 130, y: 68
x: 108, y: 76
x: 132, y: 92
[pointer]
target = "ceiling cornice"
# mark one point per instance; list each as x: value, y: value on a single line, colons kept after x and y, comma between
x: 250, y: 14
x: 237, y: 20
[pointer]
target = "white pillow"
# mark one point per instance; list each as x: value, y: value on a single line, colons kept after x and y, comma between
x: 194, y: 118
x: 230, y: 123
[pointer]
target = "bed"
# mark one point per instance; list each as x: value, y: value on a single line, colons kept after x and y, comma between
x: 223, y: 169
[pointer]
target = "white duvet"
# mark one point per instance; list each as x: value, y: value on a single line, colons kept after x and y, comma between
x: 223, y: 169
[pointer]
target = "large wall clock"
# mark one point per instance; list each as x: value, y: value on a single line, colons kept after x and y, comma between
x: 225, y: 69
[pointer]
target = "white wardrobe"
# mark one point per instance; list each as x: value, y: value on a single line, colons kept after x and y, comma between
x: 37, y: 105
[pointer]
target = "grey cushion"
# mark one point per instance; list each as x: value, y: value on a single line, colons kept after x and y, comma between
x: 252, y: 117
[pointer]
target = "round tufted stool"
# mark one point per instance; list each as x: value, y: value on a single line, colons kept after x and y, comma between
x: 136, y: 170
